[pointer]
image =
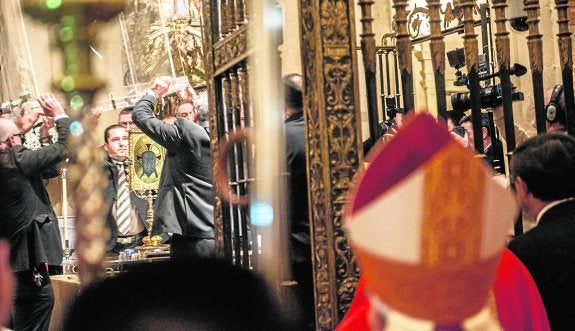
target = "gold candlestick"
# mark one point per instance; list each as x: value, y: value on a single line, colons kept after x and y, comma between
x: 76, y: 32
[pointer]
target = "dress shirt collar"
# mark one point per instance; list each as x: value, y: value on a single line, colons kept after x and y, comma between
x: 549, y: 206
x: 294, y: 116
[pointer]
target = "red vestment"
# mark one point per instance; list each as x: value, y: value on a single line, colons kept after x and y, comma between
x: 519, y: 305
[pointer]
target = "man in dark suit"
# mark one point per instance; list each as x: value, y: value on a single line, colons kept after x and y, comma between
x: 27, y: 217
x: 116, y: 147
x: 543, y: 174
x: 298, y: 211
x: 184, y: 207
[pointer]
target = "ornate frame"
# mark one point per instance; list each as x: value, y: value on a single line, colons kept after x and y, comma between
x: 143, y: 177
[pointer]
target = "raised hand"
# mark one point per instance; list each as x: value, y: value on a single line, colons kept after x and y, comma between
x: 29, y: 114
x: 160, y: 85
x: 186, y: 92
x: 51, y: 106
x: 47, y: 123
x: 96, y: 113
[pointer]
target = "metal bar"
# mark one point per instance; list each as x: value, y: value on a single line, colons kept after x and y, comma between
x: 246, y: 98
x: 240, y: 12
x: 233, y: 217
x: 127, y: 48
x: 241, y: 210
x: 535, y: 47
x: 566, y: 59
x: 470, y: 45
x: 446, y: 32
x: 437, y: 46
x: 484, y: 12
x: 396, y: 78
x: 387, y: 73
x: 368, y: 51
x: 503, y: 56
x: 404, y: 53
x: 381, y: 94
x: 227, y: 18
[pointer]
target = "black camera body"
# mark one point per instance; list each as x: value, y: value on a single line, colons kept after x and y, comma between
x: 490, y: 97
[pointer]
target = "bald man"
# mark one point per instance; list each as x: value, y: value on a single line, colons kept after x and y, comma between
x: 27, y: 217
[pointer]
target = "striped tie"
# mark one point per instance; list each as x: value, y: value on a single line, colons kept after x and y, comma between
x: 123, y: 209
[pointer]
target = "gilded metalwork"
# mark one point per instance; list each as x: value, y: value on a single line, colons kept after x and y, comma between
x: 403, y: 43
x: 564, y: 34
x: 418, y: 18
x: 368, y: 52
x: 502, y: 47
x: 501, y: 35
x: 227, y: 17
x: 146, y: 37
x: 240, y: 12
x: 470, y: 37
x: 535, y: 47
x: 146, y: 162
x: 246, y: 109
x: 437, y: 45
x: 330, y: 103
x: 230, y: 50
x: 212, y: 86
x: 534, y: 41
x: 226, y: 40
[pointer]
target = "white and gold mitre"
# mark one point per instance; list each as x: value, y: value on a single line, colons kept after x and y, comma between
x: 428, y: 225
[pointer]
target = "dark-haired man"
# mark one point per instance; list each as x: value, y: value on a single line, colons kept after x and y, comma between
x: 543, y: 174
x: 125, y: 119
x: 127, y: 212
x: 298, y: 214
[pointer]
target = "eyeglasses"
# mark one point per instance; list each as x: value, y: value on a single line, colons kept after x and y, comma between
x: 21, y: 135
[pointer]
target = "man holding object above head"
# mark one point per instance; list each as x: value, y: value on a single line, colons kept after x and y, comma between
x: 184, y: 207
x: 27, y: 217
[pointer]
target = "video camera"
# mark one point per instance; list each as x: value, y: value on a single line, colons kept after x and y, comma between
x: 391, y: 108
x: 491, y: 96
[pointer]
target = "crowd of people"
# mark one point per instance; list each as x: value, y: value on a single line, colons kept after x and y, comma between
x: 530, y: 281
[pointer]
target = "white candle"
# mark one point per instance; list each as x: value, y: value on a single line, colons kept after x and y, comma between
x: 65, y: 206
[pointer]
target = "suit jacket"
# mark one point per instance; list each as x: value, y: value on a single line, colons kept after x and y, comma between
x: 27, y: 216
x: 548, y: 252
x: 185, y: 198
x: 110, y: 195
x: 298, y: 211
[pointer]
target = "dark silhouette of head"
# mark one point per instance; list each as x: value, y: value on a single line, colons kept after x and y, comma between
x: 546, y: 163
x: 293, y: 96
x: 177, y: 295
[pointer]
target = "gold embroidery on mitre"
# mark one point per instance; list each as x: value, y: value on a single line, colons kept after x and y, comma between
x: 454, y: 189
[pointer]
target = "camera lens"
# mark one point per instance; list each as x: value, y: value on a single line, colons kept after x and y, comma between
x: 460, y: 101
